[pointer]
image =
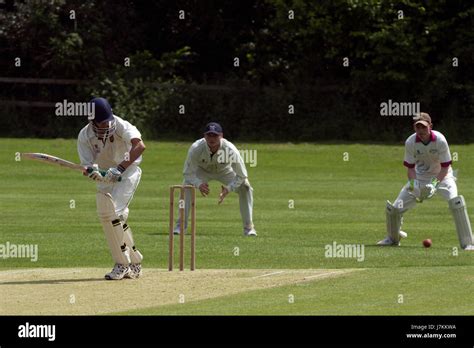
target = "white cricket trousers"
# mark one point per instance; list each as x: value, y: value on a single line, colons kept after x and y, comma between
x: 447, y: 189
x: 245, y: 192
x: 122, y: 191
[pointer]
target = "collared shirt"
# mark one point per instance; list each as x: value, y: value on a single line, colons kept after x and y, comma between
x: 227, y: 159
x: 111, y: 152
x: 427, y: 159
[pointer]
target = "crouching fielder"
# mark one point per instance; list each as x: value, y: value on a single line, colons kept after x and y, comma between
x: 110, y: 142
x: 428, y: 161
x: 215, y: 158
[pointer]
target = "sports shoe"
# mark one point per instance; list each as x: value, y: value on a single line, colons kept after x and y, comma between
x: 176, y: 229
x: 388, y: 241
x: 469, y: 247
x: 135, y: 271
x: 119, y: 272
x: 250, y: 232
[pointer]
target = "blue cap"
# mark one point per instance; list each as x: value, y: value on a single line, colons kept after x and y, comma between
x: 213, y: 127
x: 103, y: 111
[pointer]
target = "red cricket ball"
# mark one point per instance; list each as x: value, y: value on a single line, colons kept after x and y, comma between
x: 427, y: 243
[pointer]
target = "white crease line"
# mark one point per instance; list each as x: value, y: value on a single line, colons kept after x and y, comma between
x: 323, y: 274
x: 269, y: 274
x: 11, y: 271
x: 36, y: 271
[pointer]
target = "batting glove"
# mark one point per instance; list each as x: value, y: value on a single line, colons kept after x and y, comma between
x: 416, y: 191
x: 431, y: 188
x: 94, y: 173
x: 113, y: 175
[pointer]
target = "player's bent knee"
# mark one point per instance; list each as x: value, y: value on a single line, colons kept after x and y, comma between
x: 457, y: 205
x: 112, y: 227
x: 105, y: 206
x: 392, y: 209
x: 457, y: 202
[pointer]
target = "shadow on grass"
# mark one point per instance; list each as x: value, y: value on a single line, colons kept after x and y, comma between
x: 53, y: 281
x: 393, y: 247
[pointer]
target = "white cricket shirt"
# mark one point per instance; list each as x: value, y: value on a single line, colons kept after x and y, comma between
x: 427, y: 159
x: 111, y: 152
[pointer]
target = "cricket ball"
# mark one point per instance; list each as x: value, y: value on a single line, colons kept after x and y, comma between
x: 427, y: 243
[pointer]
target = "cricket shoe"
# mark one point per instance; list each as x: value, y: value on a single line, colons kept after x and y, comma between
x: 469, y: 248
x: 135, y: 271
x: 388, y: 241
x: 250, y: 232
x: 119, y: 272
x: 177, y: 231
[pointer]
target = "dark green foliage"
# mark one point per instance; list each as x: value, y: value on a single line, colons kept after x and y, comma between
x: 399, y: 50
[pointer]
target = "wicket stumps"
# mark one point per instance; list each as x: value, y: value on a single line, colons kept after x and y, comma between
x: 181, y: 205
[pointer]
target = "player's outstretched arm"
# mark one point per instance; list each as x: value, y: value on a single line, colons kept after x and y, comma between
x: 190, y: 169
x: 442, y: 173
x: 223, y: 194
x: 411, y: 173
x: 138, y: 146
x: 115, y: 174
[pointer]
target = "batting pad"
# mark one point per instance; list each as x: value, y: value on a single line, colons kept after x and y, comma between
x: 457, y: 205
x: 135, y: 255
x: 394, y: 222
x: 113, y: 229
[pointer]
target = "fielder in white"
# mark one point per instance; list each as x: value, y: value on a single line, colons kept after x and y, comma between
x: 111, y: 142
x: 215, y: 158
x: 428, y: 162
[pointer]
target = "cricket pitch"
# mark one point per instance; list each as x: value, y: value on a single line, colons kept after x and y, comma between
x: 83, y: 291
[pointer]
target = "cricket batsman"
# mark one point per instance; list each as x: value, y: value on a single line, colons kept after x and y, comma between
x: 428, y: 163
x: 111, y: 142
x: 215, y: 158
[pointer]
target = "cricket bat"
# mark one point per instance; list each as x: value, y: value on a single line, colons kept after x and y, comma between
x: 45, y: 158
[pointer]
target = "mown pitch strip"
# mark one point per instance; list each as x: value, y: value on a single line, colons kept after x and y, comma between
x: 68, y: 291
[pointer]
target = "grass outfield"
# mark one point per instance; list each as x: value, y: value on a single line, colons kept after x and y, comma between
x: 400, y: 291
x: 334, y: 201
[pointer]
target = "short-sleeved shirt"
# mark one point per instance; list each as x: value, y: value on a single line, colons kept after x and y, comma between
x: 427, y: 159
x: 111, y: 152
